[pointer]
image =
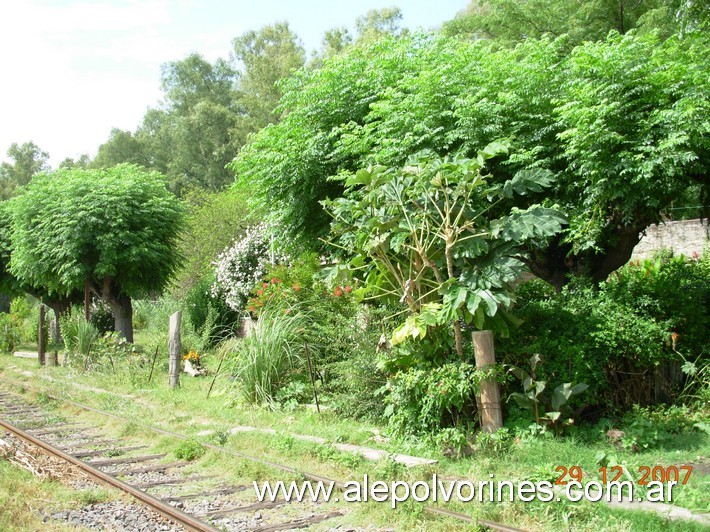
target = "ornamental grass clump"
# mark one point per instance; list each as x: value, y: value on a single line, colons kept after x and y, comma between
x: 264, y: 360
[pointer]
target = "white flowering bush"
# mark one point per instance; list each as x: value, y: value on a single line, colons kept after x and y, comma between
x: 239, y: 267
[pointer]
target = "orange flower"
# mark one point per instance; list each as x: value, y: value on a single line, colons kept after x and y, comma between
x: 348, y: 289
x: 295, y: 287
x: 338, y: 291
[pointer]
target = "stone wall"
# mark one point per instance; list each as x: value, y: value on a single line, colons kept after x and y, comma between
x: 687, y: 237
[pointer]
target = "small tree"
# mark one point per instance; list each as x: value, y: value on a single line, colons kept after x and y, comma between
x: 426, y: 235
x: 114, y: 230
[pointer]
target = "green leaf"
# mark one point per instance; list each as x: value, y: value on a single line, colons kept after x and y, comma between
x: 578, y: 388
x: 522, y: 400
x: 553, y: 416
x: 528, y: 180
x: 493, y: 149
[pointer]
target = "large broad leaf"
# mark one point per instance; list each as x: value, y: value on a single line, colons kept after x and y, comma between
x: 522, y: 400
x: 535, y: 360
x: 409, y: 329
x: 553, y: 416
x: 579, y: 388
x: 367, y: 177
x: 529, y: 180
x: 493, y: 149
x: 534, y: 222
x: 564, y: 391
x: 519, y: 373
x: 491, y: 302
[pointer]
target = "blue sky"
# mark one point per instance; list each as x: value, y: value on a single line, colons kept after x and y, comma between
x: 73, y: 69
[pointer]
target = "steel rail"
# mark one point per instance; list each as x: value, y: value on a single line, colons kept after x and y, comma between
x: 313, y: 477
x: 173, y: 514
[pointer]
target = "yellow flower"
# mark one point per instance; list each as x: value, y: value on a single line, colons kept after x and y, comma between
x: 192, y: 356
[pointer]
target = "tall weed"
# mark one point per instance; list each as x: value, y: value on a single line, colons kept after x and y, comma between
x: 263, y: 360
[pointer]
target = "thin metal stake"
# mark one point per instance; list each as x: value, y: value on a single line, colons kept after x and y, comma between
x: 219, y: 367
x: 152, y: 367
x: 310, y: 372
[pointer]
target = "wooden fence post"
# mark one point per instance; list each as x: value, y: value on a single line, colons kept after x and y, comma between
x: 53, y: 359
x: 41, y: 347
x: 489, y: 400
x: 174, y: 350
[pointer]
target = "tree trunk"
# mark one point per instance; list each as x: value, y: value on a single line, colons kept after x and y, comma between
x: 58, y: 307
x: 556, y: 262
x: 122, y: 308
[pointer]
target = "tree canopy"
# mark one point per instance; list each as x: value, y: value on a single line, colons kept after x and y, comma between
x: 622, y: 123
x: 28, y: 160
x: 114, y: 229
x: 512, y: 21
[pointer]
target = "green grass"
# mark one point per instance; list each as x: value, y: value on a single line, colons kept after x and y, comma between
x: 186, y: 410
x: 24, y: 498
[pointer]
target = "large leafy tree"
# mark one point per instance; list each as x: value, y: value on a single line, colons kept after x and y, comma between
x: 121, y: 147
x: 114, y: 230
x: 208, y: 111
x: 28, y: 159
x: 622, y: 123
x: 513, y: 21
x: 11, y: 286
x: 267, y: 56
x: 214, y: 221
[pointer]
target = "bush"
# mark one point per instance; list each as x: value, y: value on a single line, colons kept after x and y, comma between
x: 210, y: 315
x: 9, y: 333
x: 674, y: 292
x: 101, y: 316
x: 80, y: 337
x: 624, y: 338
x: 424, y: 401
x: 189, y: 450
x: 240, y: 266
x: 651, y: 428
x: 25, y: 311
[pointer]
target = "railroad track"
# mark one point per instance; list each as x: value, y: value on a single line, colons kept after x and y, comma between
x: 192, y: 502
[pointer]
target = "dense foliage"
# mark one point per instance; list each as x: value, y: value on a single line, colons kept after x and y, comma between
x: 626, y: 339
x: 425, y: 236
x: 241, y: 265
x: 512, y: 21
x: 115, y: 230
x: 621, y: 123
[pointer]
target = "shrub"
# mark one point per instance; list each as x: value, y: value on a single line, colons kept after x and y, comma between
x: 424, y: 401
x: 208, y: 314
x: 673, y: 291
x: 79, y: 338
x: 189, y: 450
x: 343, y: 332
x: 9, y: 333
x: 101, y: 316
x: 657, y: 427
x: 625, y: 338
x: 240, y: 266
x: 25, y: 311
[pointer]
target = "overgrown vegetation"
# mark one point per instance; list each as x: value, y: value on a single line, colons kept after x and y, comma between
x: 366, y: 211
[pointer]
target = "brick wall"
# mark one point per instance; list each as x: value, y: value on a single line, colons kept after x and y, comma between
x: 685, y: 236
